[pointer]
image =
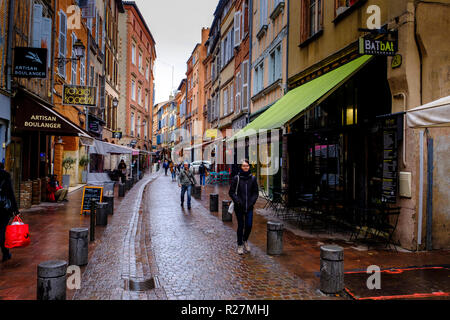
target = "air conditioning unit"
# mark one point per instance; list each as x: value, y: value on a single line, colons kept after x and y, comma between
x: 341, y: 10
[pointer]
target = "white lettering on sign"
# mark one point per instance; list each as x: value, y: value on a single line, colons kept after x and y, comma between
x: 374, y: 20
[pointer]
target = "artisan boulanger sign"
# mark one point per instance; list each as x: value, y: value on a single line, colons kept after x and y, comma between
x: 42, y: 122
x: 378, y: 47
x: 79, y: 96
x: 30, y: 62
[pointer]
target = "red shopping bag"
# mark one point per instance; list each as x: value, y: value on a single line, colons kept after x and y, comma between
x: 17, y: 234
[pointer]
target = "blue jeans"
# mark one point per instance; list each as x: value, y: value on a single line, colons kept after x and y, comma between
x: 202, y: 179
x: 174, y: 174
x: 245, y: 223
x: 183, y: 191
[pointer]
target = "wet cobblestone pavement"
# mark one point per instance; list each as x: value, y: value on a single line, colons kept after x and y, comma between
x: 196, y: 257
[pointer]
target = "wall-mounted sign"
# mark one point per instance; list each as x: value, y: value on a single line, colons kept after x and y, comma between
x: 378, y: 47
x: 117, y: 135
x: 30, y: 62
x: 397, y: 61
x: 79, y: 96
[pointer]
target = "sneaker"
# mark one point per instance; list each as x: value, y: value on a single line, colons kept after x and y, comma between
x: 240, y: 250
x: 246, y: 246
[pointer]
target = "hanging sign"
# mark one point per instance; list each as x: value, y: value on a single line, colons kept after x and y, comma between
x: 378, y: 47
x: 30, y: 62
x: 79, y: 96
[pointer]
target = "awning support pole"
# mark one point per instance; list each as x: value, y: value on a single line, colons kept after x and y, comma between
x: 430, y: 195
x: 421, y: 165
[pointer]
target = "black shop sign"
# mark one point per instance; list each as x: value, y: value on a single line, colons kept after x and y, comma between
x: 378, y: 47
x: 30, y: 62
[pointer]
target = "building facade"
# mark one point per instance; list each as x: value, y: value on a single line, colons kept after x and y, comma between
x: 353, y: 125
x: 137, y: 56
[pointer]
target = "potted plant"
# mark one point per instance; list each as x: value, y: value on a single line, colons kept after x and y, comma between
x: 67, y: 165
x: 84, y: 161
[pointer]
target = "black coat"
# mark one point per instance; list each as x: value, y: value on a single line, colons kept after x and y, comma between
x: 7, y: 190
x: 248, y: 192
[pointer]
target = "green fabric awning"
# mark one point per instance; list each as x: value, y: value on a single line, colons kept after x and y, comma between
x: 299, y: 99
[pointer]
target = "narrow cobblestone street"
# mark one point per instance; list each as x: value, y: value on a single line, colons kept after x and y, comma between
x: 196, y: 255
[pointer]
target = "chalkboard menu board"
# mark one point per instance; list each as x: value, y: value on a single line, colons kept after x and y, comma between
x: 390, y: 167
x: 90, y: 194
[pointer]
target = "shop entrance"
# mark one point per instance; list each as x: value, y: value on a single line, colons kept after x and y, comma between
x: 336, y: 148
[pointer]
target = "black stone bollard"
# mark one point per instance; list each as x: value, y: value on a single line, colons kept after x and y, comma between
x: 78, y: 246
x: 331, y: 269
x: 110, y: 201
x: 214, y: 202
x: 51, y: 280
x: 274, y: 238
x: 121, y: 190
x: 92, y: 220
x: 226, y: 217
x: 102, y: 214
x: 197, y: 192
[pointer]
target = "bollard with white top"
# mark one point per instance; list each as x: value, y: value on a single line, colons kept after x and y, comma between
x: 331, y: 269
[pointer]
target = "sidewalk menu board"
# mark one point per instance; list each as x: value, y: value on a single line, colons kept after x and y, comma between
x: 90, y: 193
x: 390, y: 167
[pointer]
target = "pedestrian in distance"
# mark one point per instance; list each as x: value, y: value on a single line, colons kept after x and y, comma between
x: 123, y: 171
x: 8, y: 208
x: 166, y: 166
x: 202, y: 171
x: 244, y: 192
x: 186, y: 180
x: 173, y: 171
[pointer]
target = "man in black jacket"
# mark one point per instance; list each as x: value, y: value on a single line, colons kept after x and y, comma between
x: 6, y: 190
x: 245, y: 192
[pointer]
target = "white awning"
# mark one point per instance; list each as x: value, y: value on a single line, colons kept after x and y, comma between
x: 105, y: 148
x: 434, y: 114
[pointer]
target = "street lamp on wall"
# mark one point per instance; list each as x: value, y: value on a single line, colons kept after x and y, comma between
x: 78, y: 48
x: 115, y: 102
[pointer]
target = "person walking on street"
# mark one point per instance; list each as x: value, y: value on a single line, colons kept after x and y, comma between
x: 202, y: 172
x: 166, y: 166
x: 8, y: 208
x: 244, y: 192
x: 123, y: 170
x: 186, y: 180
x: 172, y: 171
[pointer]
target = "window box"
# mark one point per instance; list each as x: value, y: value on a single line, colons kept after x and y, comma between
x: 343, y: 11
x: 262, y: 31
x: 278, y: 9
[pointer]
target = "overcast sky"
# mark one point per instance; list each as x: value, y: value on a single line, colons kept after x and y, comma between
x: 176, y: 26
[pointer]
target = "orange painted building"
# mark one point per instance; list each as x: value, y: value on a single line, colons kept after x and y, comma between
x: 137, y: 56
x: 195, y: 92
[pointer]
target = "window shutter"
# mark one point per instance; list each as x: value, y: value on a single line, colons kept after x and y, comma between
x: 237, y: 28
x: 245, y: 84
x: 46, y: 40
x: 225, y: 102
x: 37, y: 26
x: 231, y: 98
x: 305, y: 18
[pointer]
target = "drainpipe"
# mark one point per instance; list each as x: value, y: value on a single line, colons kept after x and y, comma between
x: 287, y: 47
x: 416, y: 38
x: 9, y: 64
x: 250, y: 36
x: 403, y: 95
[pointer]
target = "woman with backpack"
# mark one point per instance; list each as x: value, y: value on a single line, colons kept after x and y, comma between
x: 8, y: 208
x: 245, y: 192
